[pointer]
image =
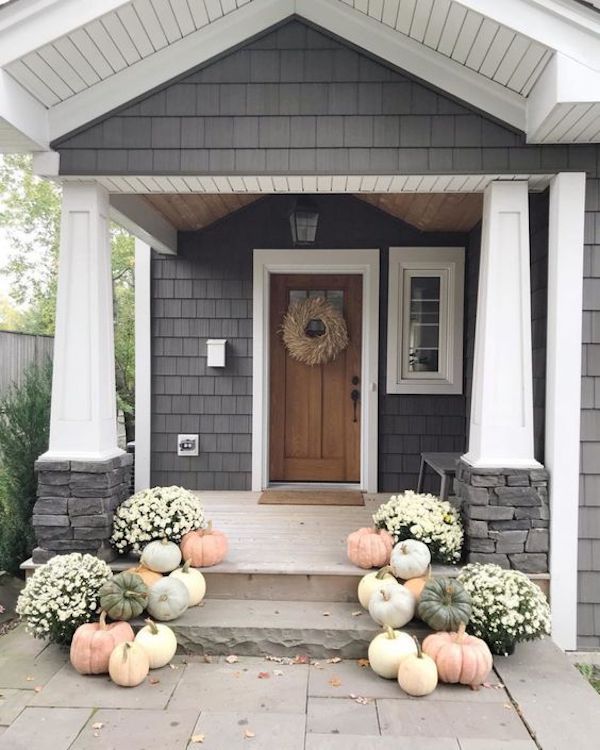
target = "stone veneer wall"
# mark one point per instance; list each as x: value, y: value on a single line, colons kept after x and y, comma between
x: 75, y: 506
x: 506, y: 516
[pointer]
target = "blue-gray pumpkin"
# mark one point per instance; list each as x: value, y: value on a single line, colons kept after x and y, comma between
x: 444, y: 604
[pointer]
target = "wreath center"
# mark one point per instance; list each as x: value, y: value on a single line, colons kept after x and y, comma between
x: 314, y: 332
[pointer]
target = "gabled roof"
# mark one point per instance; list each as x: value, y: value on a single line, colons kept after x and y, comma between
x: 534, y: 64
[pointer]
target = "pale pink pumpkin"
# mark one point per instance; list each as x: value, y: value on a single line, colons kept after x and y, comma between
x: 205, y: 547
x: 369, y: 548
x: 94, y: 642
x: 460, y: 658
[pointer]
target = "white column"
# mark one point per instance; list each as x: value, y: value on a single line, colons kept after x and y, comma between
x: 83, y: 421
x: 143, y: 415
x: 563, y: 396
x: 501, y: 426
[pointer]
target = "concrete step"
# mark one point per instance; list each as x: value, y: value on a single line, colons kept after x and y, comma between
x: 279, y: 628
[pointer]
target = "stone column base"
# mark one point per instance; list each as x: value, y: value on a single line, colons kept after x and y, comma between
x: 75, y: 505
x: 506, y: 516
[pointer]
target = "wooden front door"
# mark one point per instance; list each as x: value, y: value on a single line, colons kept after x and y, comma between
x: 314, y: 420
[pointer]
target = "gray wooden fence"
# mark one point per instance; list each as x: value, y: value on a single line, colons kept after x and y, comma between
x: 17, y: 352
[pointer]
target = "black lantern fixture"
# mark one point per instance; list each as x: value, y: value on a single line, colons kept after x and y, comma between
x: 304, y: 218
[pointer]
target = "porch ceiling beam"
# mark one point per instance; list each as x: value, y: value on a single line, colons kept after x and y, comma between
x: 22, y: 112
x: 417, y: 59
x: 571, y: 29
x: 563, y: 85
x: 29, y: 24
x: 167, y: 63
x: 143, y: 221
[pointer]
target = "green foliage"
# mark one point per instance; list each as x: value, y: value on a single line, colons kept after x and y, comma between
x: 24, y: 426
x: 591, y: 674
x: 30, y: 216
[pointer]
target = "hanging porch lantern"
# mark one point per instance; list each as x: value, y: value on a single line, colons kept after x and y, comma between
x: 304, y: 218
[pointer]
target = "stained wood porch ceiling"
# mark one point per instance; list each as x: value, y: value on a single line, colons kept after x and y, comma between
x: 429, y: 212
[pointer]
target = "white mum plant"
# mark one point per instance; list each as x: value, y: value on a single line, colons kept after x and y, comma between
x: 507, y: 607
x: 157, y: 513
x: 424, y: 517
x: 61, y: 595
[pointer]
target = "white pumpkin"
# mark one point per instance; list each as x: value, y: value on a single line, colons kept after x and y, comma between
x: 417, y: 673
x: 167, y: 599
x: 387, y: 650
x: 162, y: 557
x: 390, y: 604
x: 159, y: 643
x: 370, y: 582
x: 410, y: 559
x: 128, y: 664
x: 193, y: 580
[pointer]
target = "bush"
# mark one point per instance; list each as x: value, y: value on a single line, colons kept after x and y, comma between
x: 24, y: 428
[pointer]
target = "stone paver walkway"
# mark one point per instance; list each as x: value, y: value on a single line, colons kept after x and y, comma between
x: 258, y: 704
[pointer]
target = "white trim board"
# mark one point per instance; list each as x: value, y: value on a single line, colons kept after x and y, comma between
x: 364, y: 262
x: 143, y: 365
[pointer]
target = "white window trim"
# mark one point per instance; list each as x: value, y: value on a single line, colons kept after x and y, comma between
x: 363, y: 262
x: 450, y: 263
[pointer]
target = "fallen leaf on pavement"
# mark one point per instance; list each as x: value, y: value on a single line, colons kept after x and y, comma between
x: 30, y: 679
x: 334, y: 660
x: 231, y: 659
x: 278, y: 672
x: 208, y: 658
x: 301, y: 659
x: 263, y: 675
x: 335, y: 682
x: 97, y: 725
x: 153, y: 680
x: 362, y: 662
x: 248, y: 734
x: 326, y: 614
x: 358, y: 613
x: 198, y: 738
x: 38, y: 688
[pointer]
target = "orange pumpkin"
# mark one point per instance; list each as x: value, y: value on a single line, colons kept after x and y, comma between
x: 416, y: 585
x: 459, y: 658
x: 204, y: 547
x: 149, y: 577
x: 369, y: 548
x: 94, y: 642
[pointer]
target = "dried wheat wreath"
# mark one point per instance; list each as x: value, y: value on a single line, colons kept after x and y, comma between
x: 314, y: 350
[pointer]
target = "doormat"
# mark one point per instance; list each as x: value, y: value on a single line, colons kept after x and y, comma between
x: 311, y: 497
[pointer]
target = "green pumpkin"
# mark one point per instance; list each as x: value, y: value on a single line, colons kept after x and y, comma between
x: 444, y: 604
x: 124, y: 596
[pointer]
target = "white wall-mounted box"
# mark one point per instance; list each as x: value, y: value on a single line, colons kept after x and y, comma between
x: 215, y: 352
x: 187, y: 445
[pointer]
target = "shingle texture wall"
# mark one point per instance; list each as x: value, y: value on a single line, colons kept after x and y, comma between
x: 206, y: 291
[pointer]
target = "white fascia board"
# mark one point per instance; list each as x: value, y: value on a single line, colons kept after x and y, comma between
x: 23, y: 112
x: 166, y: 64
x: 564, y: 81
x: 572, y: 30
x: 26, y: 26
x: 135, y: 214
x: 415, y: 58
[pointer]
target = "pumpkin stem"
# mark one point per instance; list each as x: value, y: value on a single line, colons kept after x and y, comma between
x: 207, y: 529
x: 390, y: 633
x: 383, y: 572
x: 185, y: 568
x: 460, y: 633
x: 152, y: 625
x: 164, y: 541
x: 102, y: 622
x: 418, y: 645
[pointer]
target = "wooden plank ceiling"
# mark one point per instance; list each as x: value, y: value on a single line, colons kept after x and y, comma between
x: 429, y: 212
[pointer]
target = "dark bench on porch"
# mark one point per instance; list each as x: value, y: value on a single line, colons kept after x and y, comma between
x: 443, y: 464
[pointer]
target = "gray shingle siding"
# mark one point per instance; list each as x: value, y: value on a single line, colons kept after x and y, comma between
x: 298, y: 101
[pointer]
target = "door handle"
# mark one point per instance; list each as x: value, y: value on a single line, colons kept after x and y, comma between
x: 355, y: 396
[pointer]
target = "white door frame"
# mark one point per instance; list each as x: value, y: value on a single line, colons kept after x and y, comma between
x: 292, y: 260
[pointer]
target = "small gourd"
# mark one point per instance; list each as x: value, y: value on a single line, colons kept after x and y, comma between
x: 391, y: 604
x: 159, y: 643
x: 168, y: 599
x: 149, y: 577
x: 204, y: 547
x: 410, y: 559
x: 444, y: 604
x: 371, y: 581
x: 123, y: 596
x: 387, y: 650
x: 460, y: 658
x: 417, y: 673
x: 94, y: 642
x: 161, y: 557
x: 416, y: 585
x: 128, y: 665
x: 193, y: 580
x: 369, y: 548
